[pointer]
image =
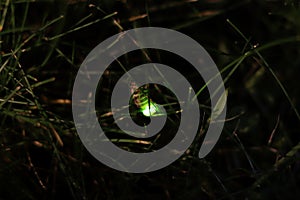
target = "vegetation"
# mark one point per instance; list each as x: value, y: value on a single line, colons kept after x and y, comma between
x: 255, y: 44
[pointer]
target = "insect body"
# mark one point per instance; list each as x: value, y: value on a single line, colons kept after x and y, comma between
x: 140, y: 97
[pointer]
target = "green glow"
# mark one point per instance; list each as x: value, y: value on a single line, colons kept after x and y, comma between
x: 148, y: 110
x: 140, y: 98
x: 151, y: 109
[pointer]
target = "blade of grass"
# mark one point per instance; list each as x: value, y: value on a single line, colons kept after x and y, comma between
x: 23, y: 23
x: 266, y: 65
x: 82, y: 20
x: 236, y: 63
x: 81, y: 27
x: 17, y: 49
x: 10, y: 96
x: 4, y: 15
x: 63, y: 55
x: 204, y: 17
x: 43, y: 82
x: 29, y: 87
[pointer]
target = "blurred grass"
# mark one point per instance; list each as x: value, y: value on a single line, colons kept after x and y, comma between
x: 255, y: 44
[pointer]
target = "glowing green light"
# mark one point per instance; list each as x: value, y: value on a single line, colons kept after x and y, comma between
x: 151, y: 109
x: 148, y: 110
x: 140, y: 98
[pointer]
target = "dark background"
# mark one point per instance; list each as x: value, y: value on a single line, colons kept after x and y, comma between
x: 41, y: 156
